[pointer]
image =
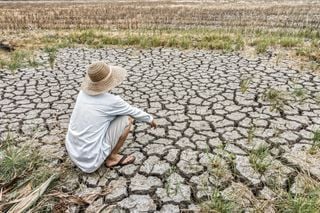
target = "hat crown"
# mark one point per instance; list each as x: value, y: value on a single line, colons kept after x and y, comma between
x: 98, y: 71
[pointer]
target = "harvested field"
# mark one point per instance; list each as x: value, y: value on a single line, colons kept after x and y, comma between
x: 158, y: 14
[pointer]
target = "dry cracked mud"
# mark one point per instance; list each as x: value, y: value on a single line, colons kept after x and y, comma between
x: 214, y: 112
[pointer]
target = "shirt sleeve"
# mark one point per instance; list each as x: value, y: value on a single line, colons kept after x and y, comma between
x: 121, y: 107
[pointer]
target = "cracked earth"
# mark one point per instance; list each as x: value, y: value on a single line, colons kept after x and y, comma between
x: 209, y: 126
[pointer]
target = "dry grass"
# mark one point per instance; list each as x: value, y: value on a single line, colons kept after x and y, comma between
x: 158, y: 14
x: 288, y: 25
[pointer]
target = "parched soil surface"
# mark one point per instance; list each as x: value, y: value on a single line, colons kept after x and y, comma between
x: 209, y: 125
x: 129, y: 14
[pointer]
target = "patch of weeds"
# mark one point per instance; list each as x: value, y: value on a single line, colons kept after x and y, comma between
x: 244, y: 84
x: 289, y: 41
x: 276, y: 99
x: 310, y: 53
x: 278, y: 58
x: 33, y: 62
x: 170, y: 190
x: 251, y: 132
x: 296, y: 203
x: 218, y: 169
x: 239, y: 44
x: 40, y: 176
x: 18, y: 59
x: 218, y: 204
x: 52, y: 54
x: 261, y: 47
x: 217, y: 41
x: 314, y: 65
x: 315, y: 142
x: 16, y: 162
x: 3, y: 63
x: 299, y: 93
x: 262, y: 44
x: 257, y: 159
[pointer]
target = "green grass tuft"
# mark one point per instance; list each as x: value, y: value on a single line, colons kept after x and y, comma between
x: 52, y: 54
x: 276, y: 99
x: 16, y: 162
x: 257, y: 159
x: 218, y: 204
x: 299, y: 203
x: 244, y: 84
x: 290, y: 41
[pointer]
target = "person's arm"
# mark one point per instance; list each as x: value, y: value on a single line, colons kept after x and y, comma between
x: 121, y: 107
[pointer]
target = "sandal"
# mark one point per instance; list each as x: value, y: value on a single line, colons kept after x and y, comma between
x: 121, y: 161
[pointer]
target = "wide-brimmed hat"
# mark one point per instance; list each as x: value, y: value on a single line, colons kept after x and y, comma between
x: 101, y: 77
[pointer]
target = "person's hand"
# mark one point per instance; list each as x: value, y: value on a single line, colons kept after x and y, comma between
x: 153, y: 124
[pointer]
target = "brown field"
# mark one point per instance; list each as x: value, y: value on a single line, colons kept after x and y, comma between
x: 288, y: 27
x: 159, y: 14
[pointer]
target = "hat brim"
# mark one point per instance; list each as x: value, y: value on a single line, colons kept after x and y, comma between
x: 96, y: 88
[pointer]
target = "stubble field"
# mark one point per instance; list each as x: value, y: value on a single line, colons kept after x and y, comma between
x: 158, y: 14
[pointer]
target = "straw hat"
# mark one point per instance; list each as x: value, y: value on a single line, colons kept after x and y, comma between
x: 101, y: 78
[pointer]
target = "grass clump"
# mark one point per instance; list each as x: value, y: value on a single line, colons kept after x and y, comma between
x: 289, y: 41
x: 18, y: 59
x: 276, y: 99
x: 315, y: 142
x: 218, y: 204
x: 244, y: 84
x: 22, y: 171
x: 251, y: 133
x: 299, y: 203
x: 299, y: 93
x: 218, y: 168
x: 52, y: 54
x: 258, y: 159
x: 261, y: 47
x: 16, y: 162
x: 261, y: 44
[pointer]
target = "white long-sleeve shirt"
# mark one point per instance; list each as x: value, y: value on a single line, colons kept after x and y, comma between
x: 86, y: 137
